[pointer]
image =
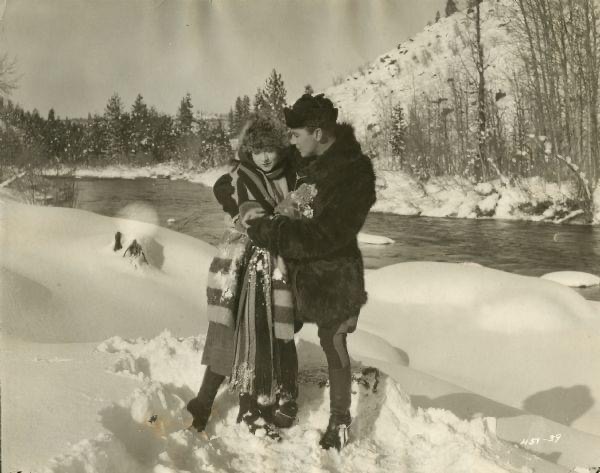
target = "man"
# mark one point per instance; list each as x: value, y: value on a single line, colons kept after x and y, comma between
x: 324, y: 262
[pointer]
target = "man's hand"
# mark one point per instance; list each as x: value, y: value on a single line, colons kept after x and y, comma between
x: 253, y: 214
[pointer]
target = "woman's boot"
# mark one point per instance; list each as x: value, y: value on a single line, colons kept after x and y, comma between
x: 201, y: 406
x: 253, y: 415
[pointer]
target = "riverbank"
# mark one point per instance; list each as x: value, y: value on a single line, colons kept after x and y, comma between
x: 530, y: 199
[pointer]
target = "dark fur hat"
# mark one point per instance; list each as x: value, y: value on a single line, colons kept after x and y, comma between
x: 317, y: 111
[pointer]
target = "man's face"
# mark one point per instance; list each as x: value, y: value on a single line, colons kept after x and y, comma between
x: 305, y: 141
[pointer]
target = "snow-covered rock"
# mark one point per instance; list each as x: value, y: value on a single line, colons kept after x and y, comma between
x: 488, y: 205
x: 484, y: 188
x: 573, y: 278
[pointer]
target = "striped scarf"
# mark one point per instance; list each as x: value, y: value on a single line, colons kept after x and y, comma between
x: 225, y: 278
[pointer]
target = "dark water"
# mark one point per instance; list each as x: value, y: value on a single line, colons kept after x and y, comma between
x: 527, y: 248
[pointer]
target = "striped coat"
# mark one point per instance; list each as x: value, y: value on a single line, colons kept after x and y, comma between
x: 228, y: 273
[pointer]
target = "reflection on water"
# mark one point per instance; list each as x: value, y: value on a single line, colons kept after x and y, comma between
x: 527, y: 248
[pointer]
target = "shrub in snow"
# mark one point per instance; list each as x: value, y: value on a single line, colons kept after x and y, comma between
x: 535, y: 208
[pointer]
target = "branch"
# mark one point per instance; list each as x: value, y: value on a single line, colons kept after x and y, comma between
x: 571, y: 216
x: 12, y: 179
x: 575, y: 170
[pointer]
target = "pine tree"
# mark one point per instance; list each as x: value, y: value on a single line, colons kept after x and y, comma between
x: 245, y: 107
x: 96, y: 137
x: 114, y: 117
x: 140, y: 126
x: 185, y: 115
x: 308, y: 89
x: 451, y: 7
x: 238, y: 116
x: 272, y: 99
x: 398, y: 135
x: 231, y: 122
x: 53, y: 135
x: 260, y: 102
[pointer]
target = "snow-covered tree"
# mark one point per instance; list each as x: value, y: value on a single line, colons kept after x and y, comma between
x: 272, y: 98
x: 117, y: 122
x: 140, y: 126
x: 185, y: 114
x: 398, y: 136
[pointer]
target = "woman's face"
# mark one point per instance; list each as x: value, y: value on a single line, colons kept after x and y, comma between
x: 266, y: 160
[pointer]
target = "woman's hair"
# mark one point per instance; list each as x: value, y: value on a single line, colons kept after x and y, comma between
x: 261, y: 133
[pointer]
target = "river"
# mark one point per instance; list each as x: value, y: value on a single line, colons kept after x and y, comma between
x: 528, y: 248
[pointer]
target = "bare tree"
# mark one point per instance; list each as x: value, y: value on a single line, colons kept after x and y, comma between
x: 8, y: 79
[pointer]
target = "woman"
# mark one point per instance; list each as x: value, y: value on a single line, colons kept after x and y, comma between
x: 251, y: 324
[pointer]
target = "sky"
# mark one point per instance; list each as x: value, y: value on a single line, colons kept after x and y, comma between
x: 72, y: 55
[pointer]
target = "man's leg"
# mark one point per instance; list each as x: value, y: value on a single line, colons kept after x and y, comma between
x: 334, y: 344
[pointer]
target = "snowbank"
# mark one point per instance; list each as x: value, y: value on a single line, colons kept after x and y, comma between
x: 171, y: 170
x: 66, y: 278
x: 573, y: 278
x: 477, y: 327
x: 453, y: 196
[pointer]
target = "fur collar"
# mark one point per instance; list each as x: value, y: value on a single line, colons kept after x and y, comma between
x: 342, y: 155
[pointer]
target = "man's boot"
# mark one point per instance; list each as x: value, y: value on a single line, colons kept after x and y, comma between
x: 340, y: 385
x: 201, y: 406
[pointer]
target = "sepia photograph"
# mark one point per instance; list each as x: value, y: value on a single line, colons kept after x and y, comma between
x: 299, y: 236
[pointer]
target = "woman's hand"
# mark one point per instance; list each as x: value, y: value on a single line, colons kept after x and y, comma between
x: 288, y: 208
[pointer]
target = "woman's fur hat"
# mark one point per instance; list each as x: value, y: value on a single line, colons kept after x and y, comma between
x: 262, y: 133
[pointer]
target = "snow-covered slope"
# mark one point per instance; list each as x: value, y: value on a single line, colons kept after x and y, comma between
x: 425, y: 64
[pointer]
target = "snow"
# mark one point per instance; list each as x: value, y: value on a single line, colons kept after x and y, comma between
x: 374, y: 239
x: 573, y: 278
x: 99, y: 357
